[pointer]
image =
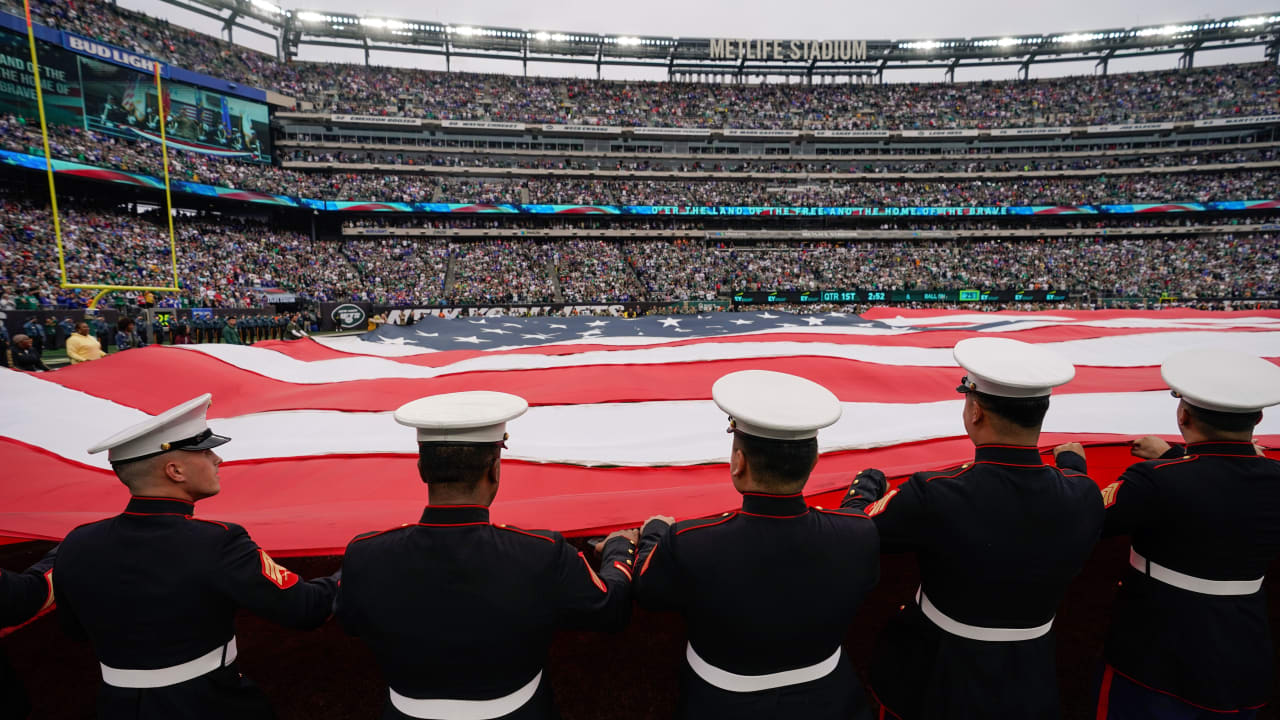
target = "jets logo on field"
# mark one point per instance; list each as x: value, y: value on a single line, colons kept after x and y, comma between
x: 348, y: 316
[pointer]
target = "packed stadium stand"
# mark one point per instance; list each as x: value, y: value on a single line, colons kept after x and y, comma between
x: 301, y: 196
x: 1107, y: 186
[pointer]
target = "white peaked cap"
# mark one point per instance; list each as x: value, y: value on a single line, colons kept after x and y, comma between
x: 179, y: 428
x: 1223, y: 380
x: 775, y: 405
x: 477, y: 416
x: 1011, y: 368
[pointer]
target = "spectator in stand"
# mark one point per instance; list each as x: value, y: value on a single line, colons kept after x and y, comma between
x: 34, y: 331
x: 82, y: 346
x: 4, y: 342
x: 25, y: 356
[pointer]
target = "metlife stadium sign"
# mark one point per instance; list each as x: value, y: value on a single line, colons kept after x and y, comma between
x: 806, y: 50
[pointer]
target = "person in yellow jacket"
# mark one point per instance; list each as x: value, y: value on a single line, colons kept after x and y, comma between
x: 82, y: 346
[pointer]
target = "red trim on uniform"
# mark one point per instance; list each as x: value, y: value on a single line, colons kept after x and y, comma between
x: 1242, y: 457
x: 845, y: 512
x: 948, y: 477
x: 48, y: 580
x: 211, y: 522
x: 138, y: 514
x: 1188, y: 458
x: 170, y: 499
x: 713, y: 524
x: 523, y: 532
x: 1010, y: 447
x: 883, y: 708
x: 480, y: 507
x: 594, y: 577
x: 445, y: 524
x: 376, y: 534
x: 993, y: 462
x: 774, y: 495
x: 776, y: 517
x: 1184, y: 700
x: 648, y: 559
x: 1104, y: 694
x: 623, y: 567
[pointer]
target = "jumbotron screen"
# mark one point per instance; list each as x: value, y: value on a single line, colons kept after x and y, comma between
x: 121, y: 101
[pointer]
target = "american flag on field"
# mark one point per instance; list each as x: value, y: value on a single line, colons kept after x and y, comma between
x: 621, y: 424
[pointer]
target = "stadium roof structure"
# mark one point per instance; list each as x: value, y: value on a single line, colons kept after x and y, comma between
x: 735, y: 58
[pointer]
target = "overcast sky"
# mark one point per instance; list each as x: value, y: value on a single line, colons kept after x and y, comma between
x: 780, y: 19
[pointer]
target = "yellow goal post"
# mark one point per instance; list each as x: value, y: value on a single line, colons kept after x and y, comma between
x: 53, y: 195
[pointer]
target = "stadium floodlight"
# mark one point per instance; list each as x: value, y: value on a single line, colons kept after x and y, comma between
x: 921, y: 45
x: 309, y: 16
x: 1079, y: 37
x: 628, y: 41
x: 268, y: 6
x: 542, y: 36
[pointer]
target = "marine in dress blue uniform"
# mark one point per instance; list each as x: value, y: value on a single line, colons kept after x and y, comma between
x: 23, y: 596
x: 768, y: 591
x: 997, y: 541
x: 459, y: 611
x: 1189, y: 637
x: 155, y: 589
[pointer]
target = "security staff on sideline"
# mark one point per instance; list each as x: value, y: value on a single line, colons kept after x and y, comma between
x: 23, y: 595
x: 155, y: 590
x: 997, y: 540
x: 459, y: 611
x: 1189, y: 635
x: 768, y: 591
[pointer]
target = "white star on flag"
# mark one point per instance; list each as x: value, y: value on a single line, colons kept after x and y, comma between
x: 591, y: 333
x: 537, y: 336
x: 473, y: 340
x: 670, y: 322
x: 742, y: 322
x: 767, y: 316
x: 562, y: 327
x: 392, y: 341
x: 815, y: 321
x: 598, y: 323
x: 419, y: 332
x: 481, y: 321
x: 496, y: 331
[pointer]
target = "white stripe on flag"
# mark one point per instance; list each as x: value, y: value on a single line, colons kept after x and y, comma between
x: 1142, y: 350
x: 66, y: 422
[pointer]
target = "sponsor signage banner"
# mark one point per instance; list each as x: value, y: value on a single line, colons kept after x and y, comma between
x: 481, y: 125
x: 1228, y: 122
x: 582, y: 129
x: 897, y: 296
x: 762, y: 133
x: 670, y: 131
x: 375, y: 120
x: 1035, y: 131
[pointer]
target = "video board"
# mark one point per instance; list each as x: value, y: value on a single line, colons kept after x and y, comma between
x: 120, y: 100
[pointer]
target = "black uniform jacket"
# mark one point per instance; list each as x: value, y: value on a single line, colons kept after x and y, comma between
x: 769, y: 588
x: 998, y: 540
x: 457, y: 608
x: 23, y: 595
x: 1213, y: 514
x: 155, y: 587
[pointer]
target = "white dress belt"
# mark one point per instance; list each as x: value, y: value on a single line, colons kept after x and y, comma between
x: 974, y: 632
x: 434, y: 709
x: 220, y: 656
x: 734, y: 682
x: 1190, y: 582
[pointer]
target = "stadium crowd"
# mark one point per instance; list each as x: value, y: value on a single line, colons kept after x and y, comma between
x: 1235, y: 90
x: 97, y: 149
x: 412, y: 159
x: 229, y: 262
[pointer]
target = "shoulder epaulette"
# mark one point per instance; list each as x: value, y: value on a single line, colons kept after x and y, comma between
x: 699, y: 523
x: 548, y: 535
